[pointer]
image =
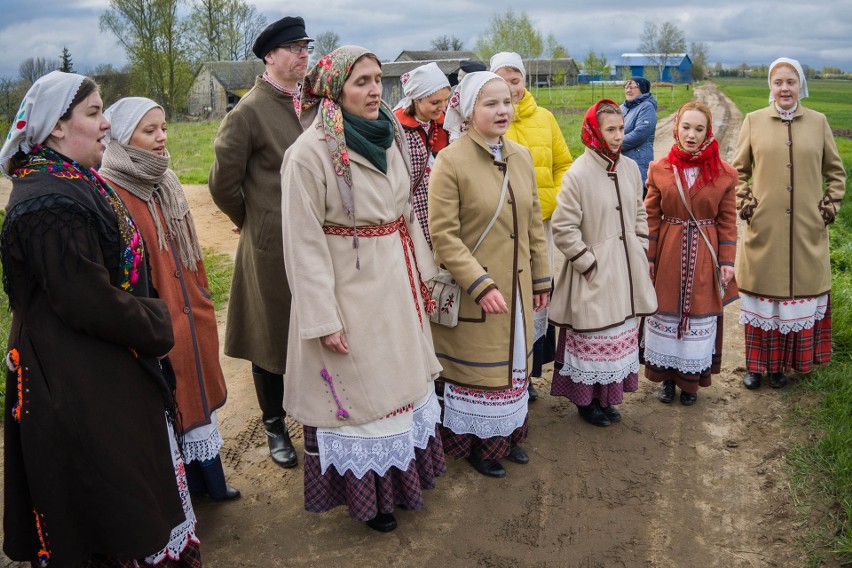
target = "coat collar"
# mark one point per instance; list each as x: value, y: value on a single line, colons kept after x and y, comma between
x: 509, y: 148
x: 527, y: 106
x: 773, y: 112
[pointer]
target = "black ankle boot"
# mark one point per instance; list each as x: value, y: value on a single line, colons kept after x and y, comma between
x: 383, y: 522
x: 667, y: 391
x: 270, y: 396
x: 214, y: 480
x: 489, y: 467
x: 751, y: 380
x: 280, y: 447
x: 593, y: 414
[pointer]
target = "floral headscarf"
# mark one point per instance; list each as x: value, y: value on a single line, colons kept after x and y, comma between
x: 706, y: 158
x: 593, y: 138
x: 462, y: 101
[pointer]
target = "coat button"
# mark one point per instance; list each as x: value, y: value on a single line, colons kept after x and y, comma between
x: 621, y: 237
x: 789, y: 165
x: 618, y: 207
x: 510, y: 201
x: 177, y: 273
x: 512, y: 236
x: 186, y: 309
x: 788, y: 211
x: 789, y: 188
x: 789, y: 142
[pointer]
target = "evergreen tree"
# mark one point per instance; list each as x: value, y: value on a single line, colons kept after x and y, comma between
x: 67, y: 64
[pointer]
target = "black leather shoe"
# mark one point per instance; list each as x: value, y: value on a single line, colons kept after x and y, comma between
x: 230, y: 494
x: 751, y: 380
x: 383, y: 522
x: 280, y: 447
x: 518, y: 455
x: 667, y: 392
x: 533, y: 392
x: 490, y: 468
x: 688, y: 398
x: 593, y: 414
x: 777, y: 380
x: 612, y: 413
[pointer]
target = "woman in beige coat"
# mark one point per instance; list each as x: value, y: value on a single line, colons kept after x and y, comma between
x: 360, y: 359
x: 487, y: 356
x: 604, y: 287
x: 790, y: 188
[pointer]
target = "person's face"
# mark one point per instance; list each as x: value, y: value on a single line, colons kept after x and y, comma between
x: 362, y: 91
x: 612, y: 129
x: 493, y: 111
x: 286, y: 67
x: 692, y: 130
x: 631, y: 90
x: 431, y: 107
x: 150, y: 133
x: 785, y: 86
x: 81, y: 136
x: 515, y: 80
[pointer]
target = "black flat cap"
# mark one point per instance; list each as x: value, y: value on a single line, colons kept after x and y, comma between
x: 286, y: 30
x: 472, y: 66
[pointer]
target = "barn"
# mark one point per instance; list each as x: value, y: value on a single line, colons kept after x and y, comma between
x: 678, y: 68
x: 219, y: 85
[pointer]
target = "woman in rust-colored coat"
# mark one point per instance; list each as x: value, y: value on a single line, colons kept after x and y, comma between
x: 683, y: 341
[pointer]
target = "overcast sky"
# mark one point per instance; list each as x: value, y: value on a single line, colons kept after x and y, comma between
x: 817, y: 32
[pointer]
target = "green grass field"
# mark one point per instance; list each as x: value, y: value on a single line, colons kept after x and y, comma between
x: 191, y: 147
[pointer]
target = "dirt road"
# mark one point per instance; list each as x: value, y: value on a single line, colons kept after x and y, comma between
x: 669, y: 486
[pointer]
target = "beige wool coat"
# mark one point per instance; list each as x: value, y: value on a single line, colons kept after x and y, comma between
x: 464, y: 190
x: 391, y: 360
x: 601, y: 227
x: 791, y: 183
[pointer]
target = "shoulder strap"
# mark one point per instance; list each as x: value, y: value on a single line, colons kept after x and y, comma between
x: 496, y: 213
x: 691, y: 216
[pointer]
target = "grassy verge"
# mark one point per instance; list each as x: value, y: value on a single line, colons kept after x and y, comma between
x: 220, y: 268
x: 821, y: 467
x: 191, y: 149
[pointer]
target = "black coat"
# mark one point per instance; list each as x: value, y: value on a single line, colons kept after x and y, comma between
x: 91, y: 452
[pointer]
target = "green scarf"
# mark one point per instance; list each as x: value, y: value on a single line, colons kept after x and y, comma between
x: 370, y: 138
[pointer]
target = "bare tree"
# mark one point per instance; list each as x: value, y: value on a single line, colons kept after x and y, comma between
x: 659, y: 43
x: 447, y: 43
x: 510, y: 33
x: 325, y: 43
x: 224, y: 29
x: 555, y: 49
x: 32, y: 68
x: 246, y: 23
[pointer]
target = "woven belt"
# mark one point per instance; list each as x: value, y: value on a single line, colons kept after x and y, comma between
x: 677, y: 221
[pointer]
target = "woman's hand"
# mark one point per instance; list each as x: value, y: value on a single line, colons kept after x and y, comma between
x: 727, y: 274
x: 651, y: 269
x: 336, y: 342
x: 540, y: 301
x: 493, y: 302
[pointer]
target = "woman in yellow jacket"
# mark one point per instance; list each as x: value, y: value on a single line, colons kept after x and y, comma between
x: 536, y: 128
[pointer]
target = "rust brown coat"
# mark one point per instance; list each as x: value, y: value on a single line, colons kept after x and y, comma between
x: 464, y: 191
x: 666, y: 249
x: 791, y: 183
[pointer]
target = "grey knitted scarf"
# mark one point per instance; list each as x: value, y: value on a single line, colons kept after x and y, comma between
x: 147, y: 175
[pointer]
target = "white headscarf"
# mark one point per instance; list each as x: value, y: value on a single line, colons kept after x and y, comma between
x: 47, y: 100
x: 421, y: 82
x: 124, y: 115
x: 803, y: 83
x: 462, y: 101
x: 508, y: 59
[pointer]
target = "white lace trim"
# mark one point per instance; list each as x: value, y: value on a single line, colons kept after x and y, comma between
x: 357, y: 450
x: 786, y: 316
x: 184, y: 533
x: 203, y: 449
x: 602, y: 357
x: 598, y: 376
x: 690, y: 366
x: 692, y: 353
x: 539, y: 324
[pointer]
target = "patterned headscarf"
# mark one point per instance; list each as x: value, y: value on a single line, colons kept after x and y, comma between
x: 46, y: 101
x: 593, y: 138
x: 462, y: 101
x: 803, y: 82
x: 421, y: 82
x: 706, y: 158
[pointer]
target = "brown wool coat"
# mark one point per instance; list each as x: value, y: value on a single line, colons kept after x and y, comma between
x: 791, y: 183
x: 245, y: 183
x: 463, y: 195
x: 665, y: 248
x: 600, y: 226
x: 195, y: 356
x: 391, y: 360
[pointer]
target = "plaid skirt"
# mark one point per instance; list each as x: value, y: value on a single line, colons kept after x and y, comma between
x: 189, y: 558
x: 372, y: 494
x: 776, y: 352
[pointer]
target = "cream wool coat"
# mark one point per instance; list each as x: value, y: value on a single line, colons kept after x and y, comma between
x: 391, y: 360
x: 464, y: 190
x: 782, y: 197
x: 600, y: 225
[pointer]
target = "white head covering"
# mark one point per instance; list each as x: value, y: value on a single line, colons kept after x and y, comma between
x: 47, y: 100
x: 125, y: 114
x: 508, y: 59
x: 462, y: 101
x: 803, y: 83
x: 421, y: 82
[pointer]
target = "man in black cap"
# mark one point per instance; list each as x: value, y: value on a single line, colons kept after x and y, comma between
x: 245, y: 183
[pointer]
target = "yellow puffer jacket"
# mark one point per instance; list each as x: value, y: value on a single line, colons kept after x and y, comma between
x: 536, y: 128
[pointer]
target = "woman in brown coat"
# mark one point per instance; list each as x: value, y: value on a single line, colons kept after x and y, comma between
x: 487, y: 356
x: 136, y: 164
x: 603, y: 289
x: 683, y: 341
x: 791, y: 183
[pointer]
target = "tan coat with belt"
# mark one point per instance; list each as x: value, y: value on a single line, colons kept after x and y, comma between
x: 601, y: 227
x: 464, y: 191
x: 391, y: 360
x: 781, y: 195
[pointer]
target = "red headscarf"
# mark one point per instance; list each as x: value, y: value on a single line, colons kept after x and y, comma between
x: 706, y: 158
x: 593, y: 138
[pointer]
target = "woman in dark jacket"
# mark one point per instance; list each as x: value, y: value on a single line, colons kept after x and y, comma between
x: 90, y: 456
x: 640, y: 123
